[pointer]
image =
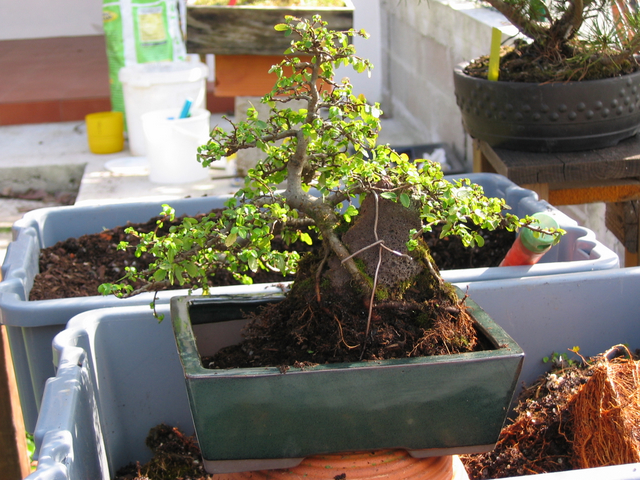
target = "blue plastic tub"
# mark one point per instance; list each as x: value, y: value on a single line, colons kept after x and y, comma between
x: 119, y: 373
x: 33, y: 324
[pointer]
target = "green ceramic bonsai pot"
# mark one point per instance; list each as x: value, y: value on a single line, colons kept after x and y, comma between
x: 259, y: 418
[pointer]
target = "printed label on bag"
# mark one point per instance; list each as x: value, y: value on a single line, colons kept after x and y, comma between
x: 151, y: 25
x: 108, y: 16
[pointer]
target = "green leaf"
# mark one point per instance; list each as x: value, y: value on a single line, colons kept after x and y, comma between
x: 405, y: 200
x: 479, y: 239
x: 192, y: 269
x: 306, y: 238
x: 389, y: 196
x: 252, y: 262
x: 107, y: 289
x: 231, y: 239
x: 350, y: 213
x: 31, y: 446
x: 159, y: 275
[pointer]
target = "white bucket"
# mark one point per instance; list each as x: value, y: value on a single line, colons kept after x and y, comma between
x: 172, y: 145
x: 153, y: 86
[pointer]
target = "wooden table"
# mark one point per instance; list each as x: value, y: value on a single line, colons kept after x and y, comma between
x: 610, y: 175
x: 14, y: 460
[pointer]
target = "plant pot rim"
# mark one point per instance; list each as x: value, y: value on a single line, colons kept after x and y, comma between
x: 459, y: 70
x: 549, y: 117
x: 504, y: 345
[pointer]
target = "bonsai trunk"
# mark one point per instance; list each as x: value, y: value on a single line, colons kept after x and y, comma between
x: 378, y: 241
x: 406, y: 310
x: 553, y: 42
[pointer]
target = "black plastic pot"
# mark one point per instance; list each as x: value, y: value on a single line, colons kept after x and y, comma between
x: 550, y: 117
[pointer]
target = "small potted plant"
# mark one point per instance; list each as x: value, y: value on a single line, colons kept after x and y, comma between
x: 372, y: 293
x: 572, y: 83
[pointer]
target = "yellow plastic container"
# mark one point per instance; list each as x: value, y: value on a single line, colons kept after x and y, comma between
x: 105, y: 132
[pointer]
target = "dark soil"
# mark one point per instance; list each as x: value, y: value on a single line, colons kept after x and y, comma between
x: 78, y: 266
x: 540, y: 439
x: 525, y: 63
x: 175, y: 456
x: 321, y: 325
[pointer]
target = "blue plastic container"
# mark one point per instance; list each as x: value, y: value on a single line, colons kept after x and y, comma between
x: 33, y: 324
x: 119, y: 373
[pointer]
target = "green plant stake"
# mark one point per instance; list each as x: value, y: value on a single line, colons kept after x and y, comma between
x: 494, y: 57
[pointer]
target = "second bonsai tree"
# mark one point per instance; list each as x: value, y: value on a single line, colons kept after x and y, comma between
x: 567, y: 40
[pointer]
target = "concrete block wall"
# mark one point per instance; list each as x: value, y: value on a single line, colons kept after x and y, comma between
x: 422, y: 41
x: 591, y: 216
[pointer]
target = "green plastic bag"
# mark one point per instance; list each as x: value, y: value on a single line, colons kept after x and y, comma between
x: 140, y: 31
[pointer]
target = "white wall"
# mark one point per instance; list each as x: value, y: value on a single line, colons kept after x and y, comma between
x: 49, y: 18
x: 367, y: 16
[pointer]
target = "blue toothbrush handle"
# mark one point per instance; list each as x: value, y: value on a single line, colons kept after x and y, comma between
x: 185, y: 109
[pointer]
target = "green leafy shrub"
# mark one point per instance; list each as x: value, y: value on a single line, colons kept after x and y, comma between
x: 321, y: 163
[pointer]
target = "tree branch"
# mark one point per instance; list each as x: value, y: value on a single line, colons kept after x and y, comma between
x: 526, y: 26
x: 570, y: 22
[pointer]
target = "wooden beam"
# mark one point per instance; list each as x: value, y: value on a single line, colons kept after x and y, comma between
x: 607, y: 191
x: 240, y: 75
x: 542, y: 189
x: 631, y: 259
x: 621, y: 219
x: 619, y: 162
x: 480, y: 161
x: 248, y: 29
x: 487, y: 160
x: 14, y: 460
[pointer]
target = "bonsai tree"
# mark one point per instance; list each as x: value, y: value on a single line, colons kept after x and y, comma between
x: 569, y: 40
x: 371, y: 289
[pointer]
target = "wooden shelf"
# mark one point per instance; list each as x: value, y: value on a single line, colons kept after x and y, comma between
x: 610, y: 175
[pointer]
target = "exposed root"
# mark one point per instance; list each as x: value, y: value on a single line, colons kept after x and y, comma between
x: 578, y: 416
x: 350, y: 347
x: 607, y: 414
x: 299, y: 329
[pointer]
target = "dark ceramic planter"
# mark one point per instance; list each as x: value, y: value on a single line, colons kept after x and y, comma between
x: 259, y: 418
x: 552, y: 117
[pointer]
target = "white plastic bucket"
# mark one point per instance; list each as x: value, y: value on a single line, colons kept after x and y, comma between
x: 153, y: 86
x: 172, y: 145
